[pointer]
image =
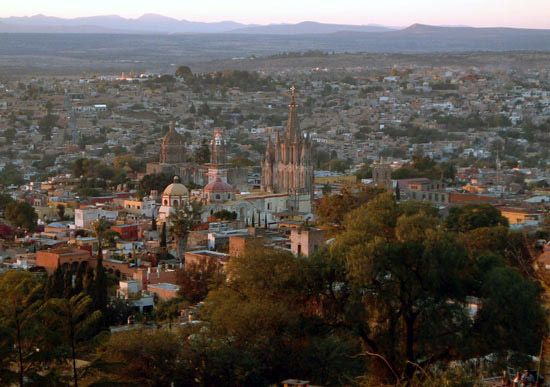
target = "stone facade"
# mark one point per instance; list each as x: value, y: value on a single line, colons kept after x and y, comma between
x: 381, y: 176
x: 172, y: 148
x: 286, y: 166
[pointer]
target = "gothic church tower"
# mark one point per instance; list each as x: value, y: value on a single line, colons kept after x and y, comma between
x: 286, y: 165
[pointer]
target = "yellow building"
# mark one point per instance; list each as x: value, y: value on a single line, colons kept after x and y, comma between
x: 338, y: 179
x: 520, y: 215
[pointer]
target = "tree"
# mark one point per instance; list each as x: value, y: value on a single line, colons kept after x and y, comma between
x: 404, y: 262
x: 402, y: 268
x: 5, y: 199
x: 225, y: 215
x: 162, y: 243
x: 184, y: 72
x: 61, y: 211
x: 510, y: 305
x: 74, y: 318
x: 100, y: 228
x: 100, y: 298
x: 143, y: 358
x: 181, y: 223
x: 204, y: 109
x: 46, y: 124
x: 241, y: 161
x: 474, y: 216
x: 338, y: 165
x: 10, y: 175
x: 196, y: 279
x: 20, y: 305
x: 268, y: 314
x: 156, y: 181
x: 332, y: 209
x: 170, y: 310
x: 21, y: 214
x: 202, y: 154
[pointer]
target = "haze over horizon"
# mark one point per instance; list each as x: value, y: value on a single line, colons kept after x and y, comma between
x: 475, y: 13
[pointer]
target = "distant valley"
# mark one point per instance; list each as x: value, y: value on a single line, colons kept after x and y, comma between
x: 156, y: 43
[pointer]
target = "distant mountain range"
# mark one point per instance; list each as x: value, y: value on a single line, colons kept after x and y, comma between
x: 310, y: 27
x: 146, y: 24
x: 158, y: 24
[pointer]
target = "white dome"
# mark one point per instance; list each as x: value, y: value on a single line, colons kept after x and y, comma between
x: 176, y: 189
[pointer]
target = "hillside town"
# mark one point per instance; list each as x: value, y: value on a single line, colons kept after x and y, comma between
x: 163, y: 176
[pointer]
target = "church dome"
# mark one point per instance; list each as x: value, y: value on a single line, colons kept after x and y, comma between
x: 173, y: 138
x: 176, y: 189
x: 218, y: 186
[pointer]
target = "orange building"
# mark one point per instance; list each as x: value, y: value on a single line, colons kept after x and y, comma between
x: 239, y: 244
x: 128, y: 232
x: 53, y: 258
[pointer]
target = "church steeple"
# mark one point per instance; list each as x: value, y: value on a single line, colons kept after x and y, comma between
x: 217, y: 148
x: 286, y: 166
x: 292, y: 128
x: 269, y: 151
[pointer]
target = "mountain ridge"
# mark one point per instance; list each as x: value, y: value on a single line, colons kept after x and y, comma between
x: 151, y: 23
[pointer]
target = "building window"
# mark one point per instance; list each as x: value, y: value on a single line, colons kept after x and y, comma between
x: 299, y: 249
x: 165, y: 202
x: 218, y: 197
x: 269, y: 206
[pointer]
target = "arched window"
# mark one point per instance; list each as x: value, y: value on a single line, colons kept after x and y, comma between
x: 175, y: 203
x: 165, y: 202
x: 218, y: 197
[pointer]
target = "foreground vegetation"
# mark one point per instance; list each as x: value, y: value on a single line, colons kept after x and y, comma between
x: 389, y: 301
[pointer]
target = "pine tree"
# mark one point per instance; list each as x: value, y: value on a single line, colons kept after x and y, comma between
x: 163, y: 236
x: 67, y: 283
x: 153, y: 223
x: 88, y: 283
x: 55, y: 285
x: 78, y: 321
x: 79, y: 278
x: 100, y: 285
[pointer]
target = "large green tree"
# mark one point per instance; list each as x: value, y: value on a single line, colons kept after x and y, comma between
x: 268, y: 311
x: 24, y: 340
x: 74, y: 320
x: 474, y: 216
x: 411, y: 277
x: 21, y: 214
x: 332, y: 209
x: 182, y: 222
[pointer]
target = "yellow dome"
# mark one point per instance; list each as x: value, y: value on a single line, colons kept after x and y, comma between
x: 176, y: 189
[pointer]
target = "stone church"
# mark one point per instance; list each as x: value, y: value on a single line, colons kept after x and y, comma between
x: 173, y: 156
x: 287, y: 166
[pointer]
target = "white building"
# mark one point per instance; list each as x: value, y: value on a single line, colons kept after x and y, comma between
x: 84, y: 217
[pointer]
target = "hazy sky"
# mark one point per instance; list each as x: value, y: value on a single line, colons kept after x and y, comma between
x: 513, y: 13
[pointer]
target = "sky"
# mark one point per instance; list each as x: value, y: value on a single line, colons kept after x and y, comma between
x: 477, y: 13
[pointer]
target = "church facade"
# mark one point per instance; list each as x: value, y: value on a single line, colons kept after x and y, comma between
x: 286, y: 165
x: 172, y: 148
